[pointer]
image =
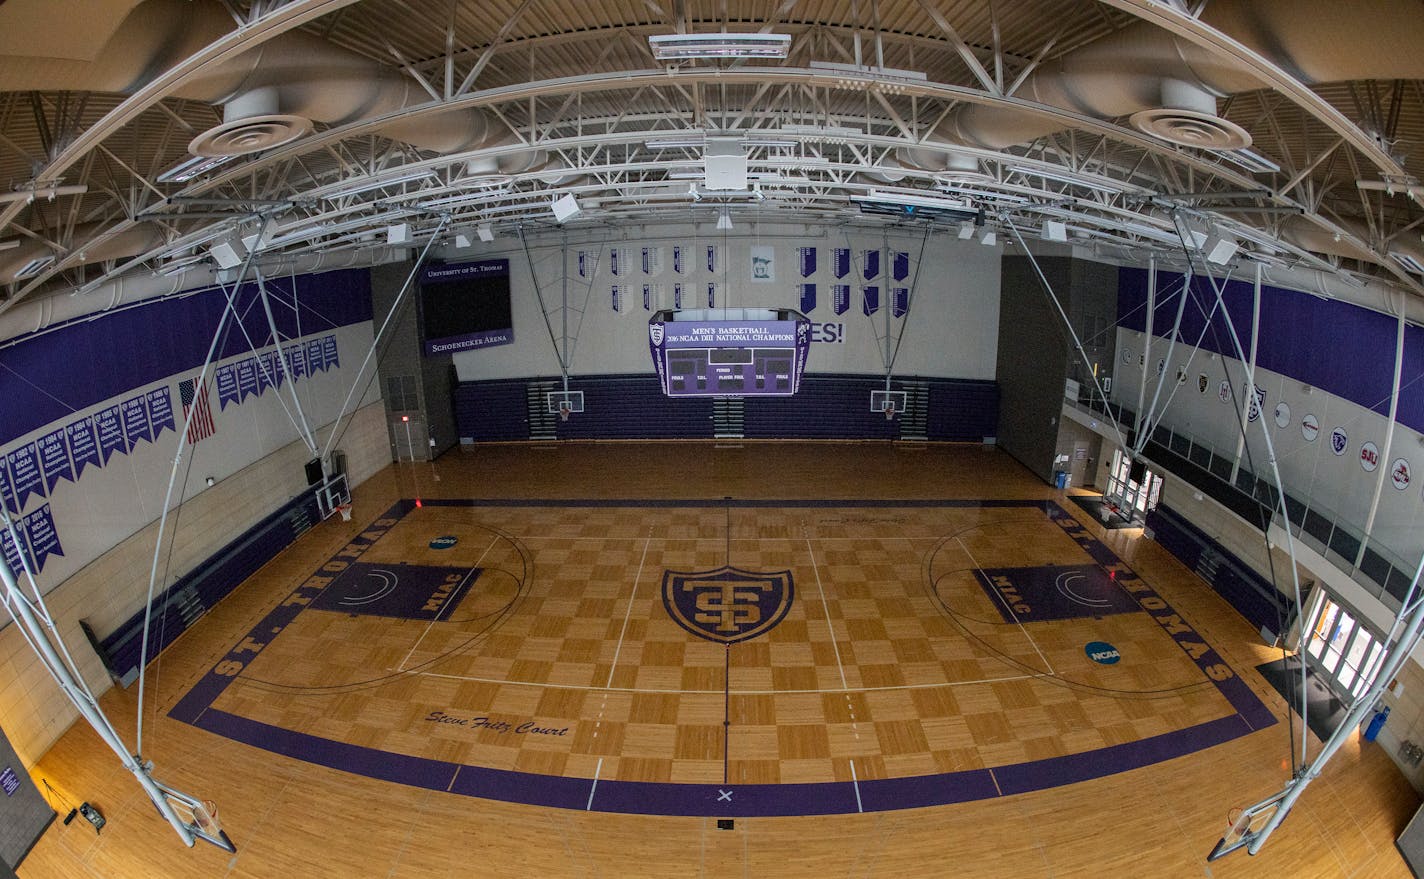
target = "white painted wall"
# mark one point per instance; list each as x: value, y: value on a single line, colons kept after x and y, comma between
x: 951, y: 331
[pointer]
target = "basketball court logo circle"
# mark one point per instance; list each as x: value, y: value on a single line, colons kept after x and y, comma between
x: 444, y: 541
x: 1339, y: 440
x: 1369, y: 457
x: 1309, y: 427
x: 1102, y: 652
x: 1399, y: 474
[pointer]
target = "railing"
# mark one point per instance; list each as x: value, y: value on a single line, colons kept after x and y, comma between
x: 1382, y: 570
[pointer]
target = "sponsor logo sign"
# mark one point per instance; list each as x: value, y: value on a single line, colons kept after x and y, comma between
x: 1399, y: 474
x: 1309, y: 427
x: 1339, y: 440
x: 444, y: 541
x: 1223, y: 391
x: 1282, y: 414
x: 1102, y: 652
x: 1369, y: 457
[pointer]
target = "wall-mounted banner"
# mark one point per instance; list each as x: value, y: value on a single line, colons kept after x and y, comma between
x: 1369, y: 457
x: 677, y: 296
x: 870, y: 264
x: 1399, y: 474
x: 840, y: 262
x: 110, y: 428
x: 679, y: 259
x: 1282, y: 414
x: 296, y: 358
x: 711, y: 295
x: 617, y: 298
x: 840, y: 298
x: 1309, y: 427
x: 247, y: 376
x: 712, y: 259
x: 225, y: 378
x: 1339, y: 441
x: 83, y: 445
x: 43, y: 538
x: 160, y: 411
x: 54, y: 458
x: 584, y: 263
x: 651, y: 293
x: 23, y: 465
x: 899, y: 301
x: 808, y: 298
x: 900, y: 265
x: 808, y: 261
x: 617, y: 261
x: 135, y: 415
x: 763, y: 265
x: 11, y: 551
x: 6, y: 494
x: 652, y: 260
x: 869, y: 300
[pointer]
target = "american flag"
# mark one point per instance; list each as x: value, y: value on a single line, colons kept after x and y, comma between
x: 201, y: 427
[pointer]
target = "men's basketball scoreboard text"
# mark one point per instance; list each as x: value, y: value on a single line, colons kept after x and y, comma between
x: 729, y: 352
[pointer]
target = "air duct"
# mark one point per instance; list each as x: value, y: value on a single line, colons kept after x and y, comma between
x: 1170, y: 85
x: 133, y: 240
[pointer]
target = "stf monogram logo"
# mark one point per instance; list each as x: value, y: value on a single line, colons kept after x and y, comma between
x: 727, y: 605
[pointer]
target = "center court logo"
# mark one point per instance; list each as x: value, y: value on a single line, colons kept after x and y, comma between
x: 727, y: 605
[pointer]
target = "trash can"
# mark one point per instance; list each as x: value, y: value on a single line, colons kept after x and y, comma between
x: 1060, y: 479
x: 1376, y: 724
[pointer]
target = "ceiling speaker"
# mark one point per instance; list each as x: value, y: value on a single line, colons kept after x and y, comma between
x: 1054, y: 231
x: 566, y: 207
x: 398, y: 234
x: 228, y: 253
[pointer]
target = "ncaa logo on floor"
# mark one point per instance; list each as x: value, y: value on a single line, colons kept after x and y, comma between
x: 1102, y: 653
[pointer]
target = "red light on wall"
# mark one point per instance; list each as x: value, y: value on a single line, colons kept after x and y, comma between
x: 405, y: 418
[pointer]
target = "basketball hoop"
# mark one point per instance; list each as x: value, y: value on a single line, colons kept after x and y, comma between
x: 565, y: 410
x: 205, y: 815
x: 889, y: 410
x: 345, y: 511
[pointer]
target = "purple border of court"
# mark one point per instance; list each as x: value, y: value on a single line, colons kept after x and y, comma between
x: 739, y: 800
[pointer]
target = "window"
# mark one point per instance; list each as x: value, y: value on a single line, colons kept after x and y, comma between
x: 1343, y: 650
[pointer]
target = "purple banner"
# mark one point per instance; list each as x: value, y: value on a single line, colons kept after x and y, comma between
x: 25, y: 477
x: 647, y: 297
x: 678, y: 259
x: 899, y: 301
x: 840, y: 262
x: 808, y: 261
x: 265, y: 377
x: 711, y: 258
x: 869, y: 300
x: 83, y: 446
x: 870, y: 264
x: 583, y: 263
x: 135, y: 414
x: 54, y: 459
x: 225, y: 377
x: 711, y: 295
x: 329, y: 352
x: 296, y: 361
x: 900, y: 266
x: 160, y: 411
x: 840, y: 298
x: 650, y: 261
x: 247, y: 377
x: 12, y: 554
x: 44, y: 539
x: 615, y: 261
x: 275, y: 372
x: 730, y: 357
x: 316, y: 357
x: 617, y: 298
x: 808, y: 298
x: 110, y: 427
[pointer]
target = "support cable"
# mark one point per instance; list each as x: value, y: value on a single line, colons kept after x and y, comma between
x: 304, y: 427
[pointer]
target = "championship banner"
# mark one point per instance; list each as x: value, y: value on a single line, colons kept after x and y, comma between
x: 109, y: 426
x: 25, y: 478
x: 617, y: 299
x: 54, y: 459
x: 869, y: 300
x: 808, y: 298
x: 298, y: 362
x: 160, y: 411
x: 870, y: 264
x: 247, y: 376
x: 617, y: 261
x: 225, y: 377
x: 44, y: 540
x: 900, y: 266
x: 11, y: 551
x: 677, y: 296
x: 808, y: 261
x: 135, y: 414
x: 265, y: 377
x: 712, y: 259
x: 652, y: 261
x: 83, y: 445
x: 840, y: 262
x: 679, y: 257
x: 648, y: 297
x: 840, y: 298
x: 735, y: 356
x: 316, y: 359
x: 899, y: 301
x: 711, y: 294
x: 329, y: 351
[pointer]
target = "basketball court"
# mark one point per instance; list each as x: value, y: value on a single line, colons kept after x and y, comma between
x: 525, y: 633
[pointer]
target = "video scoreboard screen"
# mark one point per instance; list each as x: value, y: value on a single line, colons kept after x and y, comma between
x: 465, y: 306
x: 729, y: 352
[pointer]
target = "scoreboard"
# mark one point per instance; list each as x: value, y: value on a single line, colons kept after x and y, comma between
x: 729, y: 352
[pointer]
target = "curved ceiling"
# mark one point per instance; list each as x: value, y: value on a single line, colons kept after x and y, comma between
x: 1284, y: 127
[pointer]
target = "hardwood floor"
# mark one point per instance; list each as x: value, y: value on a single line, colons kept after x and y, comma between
x: 543, y: 665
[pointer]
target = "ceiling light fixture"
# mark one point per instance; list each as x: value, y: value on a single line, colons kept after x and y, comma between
x: 678, y: 47
x: 48, y: 192
x: 1060, y: 177
x: 408, y: 177
x: 193, y: 166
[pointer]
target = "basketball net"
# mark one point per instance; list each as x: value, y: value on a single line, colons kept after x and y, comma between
x: 565, y: 410
x: 205, y: 815
x: 889, y: 411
